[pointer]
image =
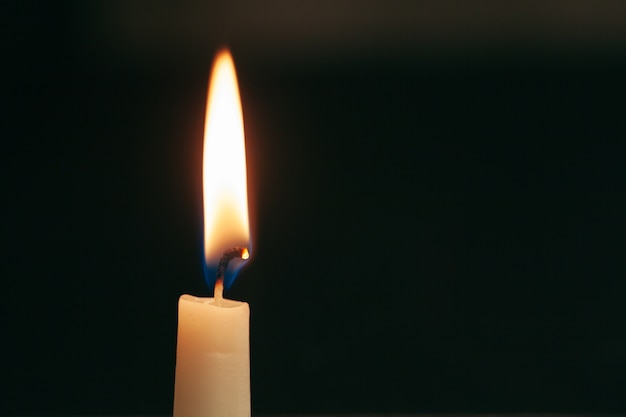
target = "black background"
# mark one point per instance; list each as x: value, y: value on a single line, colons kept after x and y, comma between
x: 436, y: 191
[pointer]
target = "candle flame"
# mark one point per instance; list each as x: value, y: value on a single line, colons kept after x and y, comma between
x: 226, y: 223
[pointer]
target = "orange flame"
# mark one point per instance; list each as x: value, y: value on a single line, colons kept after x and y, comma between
x: 226, y: 223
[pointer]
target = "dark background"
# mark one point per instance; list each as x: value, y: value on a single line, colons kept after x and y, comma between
x: 437, y: 192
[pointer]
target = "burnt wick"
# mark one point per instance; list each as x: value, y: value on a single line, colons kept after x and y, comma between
x: 229, y: 255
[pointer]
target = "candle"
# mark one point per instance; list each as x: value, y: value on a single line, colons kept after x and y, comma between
x: 212, y: 358
x: 212, y: 353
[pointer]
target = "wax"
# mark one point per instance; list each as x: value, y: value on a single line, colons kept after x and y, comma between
x: 212, y: 358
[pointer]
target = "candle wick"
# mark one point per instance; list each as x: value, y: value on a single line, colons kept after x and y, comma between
x: 229, y: 255
x: 218, y: 293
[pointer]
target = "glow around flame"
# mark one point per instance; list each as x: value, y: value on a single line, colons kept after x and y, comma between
x: 226, y: 222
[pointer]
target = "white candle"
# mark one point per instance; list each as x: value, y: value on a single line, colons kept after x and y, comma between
x: 212, y: 354
x: 212, y: 358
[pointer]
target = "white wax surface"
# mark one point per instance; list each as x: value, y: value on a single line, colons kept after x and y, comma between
x: 212, y: 359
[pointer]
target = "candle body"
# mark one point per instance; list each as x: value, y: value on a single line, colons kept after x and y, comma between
x: 212, y: 358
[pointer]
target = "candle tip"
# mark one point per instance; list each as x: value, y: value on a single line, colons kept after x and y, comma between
x: 229, y: 255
